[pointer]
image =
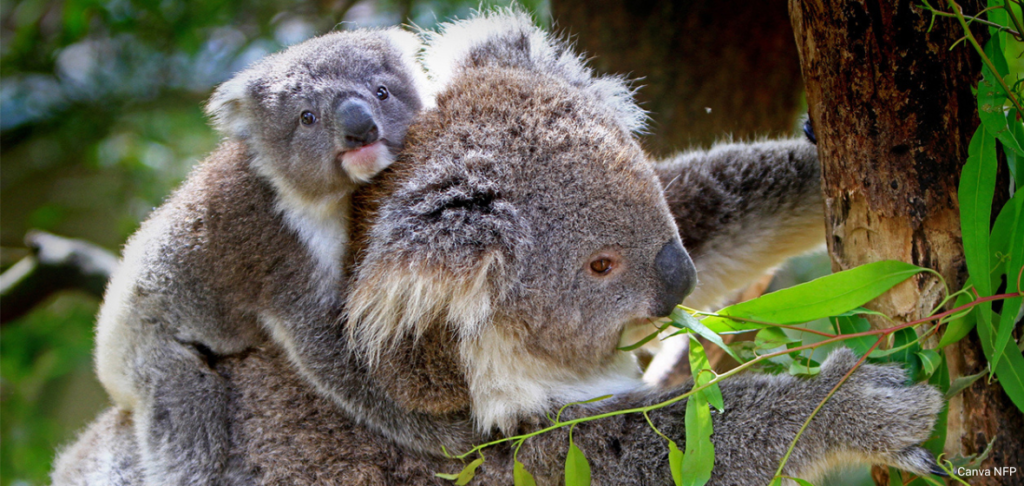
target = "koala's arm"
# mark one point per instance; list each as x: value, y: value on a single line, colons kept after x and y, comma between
x: 873, y: 418
x: 742, y: 209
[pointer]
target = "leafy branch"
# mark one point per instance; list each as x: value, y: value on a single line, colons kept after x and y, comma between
x: 706, y: 385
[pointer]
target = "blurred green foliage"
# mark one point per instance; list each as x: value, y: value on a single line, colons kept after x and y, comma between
x: 100, y: 118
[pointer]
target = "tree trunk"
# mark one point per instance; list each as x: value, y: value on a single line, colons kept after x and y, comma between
x: 893, y: 112
x: 734, y: 57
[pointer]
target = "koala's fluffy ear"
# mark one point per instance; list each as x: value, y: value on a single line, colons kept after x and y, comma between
x: 438, y: 253
x: 508, y: 38
x: 227, y: 107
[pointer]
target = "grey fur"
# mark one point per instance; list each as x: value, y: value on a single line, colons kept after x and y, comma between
x: 254, y: 238
x: 471, y: 273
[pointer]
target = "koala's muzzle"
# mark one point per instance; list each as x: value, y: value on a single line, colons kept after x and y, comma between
x: 356, y: 126
x: 677, y: 277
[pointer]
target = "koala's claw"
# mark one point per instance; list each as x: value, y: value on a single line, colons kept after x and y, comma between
x: 917, y: 460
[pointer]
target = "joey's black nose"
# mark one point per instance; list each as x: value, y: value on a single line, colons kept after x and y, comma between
x: 676, y: 276
x: 355, y: 123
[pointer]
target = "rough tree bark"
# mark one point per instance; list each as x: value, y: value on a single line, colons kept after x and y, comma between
x: 735, y: 57
x: 893, y: 111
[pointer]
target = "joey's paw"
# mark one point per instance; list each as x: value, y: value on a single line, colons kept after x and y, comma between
x: 880, y: 416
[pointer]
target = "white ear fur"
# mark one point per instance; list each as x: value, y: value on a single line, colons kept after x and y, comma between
x: 411, y: 47
x: 460, y: 43
x: 227, y: 107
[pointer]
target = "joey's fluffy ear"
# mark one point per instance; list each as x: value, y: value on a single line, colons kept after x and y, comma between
x: 440, y: 247
x: 227, y: 107
x: 410, y: 46
x: 508, y: 38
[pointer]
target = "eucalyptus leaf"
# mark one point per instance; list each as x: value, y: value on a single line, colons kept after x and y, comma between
x: 930, y: 361
x: 958, y: 385
x: 1015, y: 255
x: 977, y: 187
x: 686, y: 320
x: 800, y: 367
x: 858, y: 312
x: 936, y: 443
x: 823, y: 297
x: 992, y: 98
x: 577, y: 469
x: 702, y: 373
x: 854, y: 325
x: 771, y: 338
x: 468, y: 472
x: 802, y: 482
x: 675, y: 463
x: 522, y: 477
x: 957, y: 329
x: 699, y: 458
x: 904, y: 351
x: 1016, y: 159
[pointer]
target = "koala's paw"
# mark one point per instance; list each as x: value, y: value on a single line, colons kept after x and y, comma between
x: 879, y: 416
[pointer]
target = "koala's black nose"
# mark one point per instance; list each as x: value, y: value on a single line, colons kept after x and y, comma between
x: 355, y: 123
x: 676, y: 275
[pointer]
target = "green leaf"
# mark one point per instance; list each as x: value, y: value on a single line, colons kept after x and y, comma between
x: 771, y: 338
x: 858, y: 312
x: 468, y: 472
x: 702, y: 372
x: 937, y: 442
x: 958, y: 328
x: 522, y: 477
x: 645, y: 340
x: 577, y: 469
x: 823, y: 297
x: 450, y: 477
x: 895, y: 478
x: 977, y: 187
x: 1015, y: 159
x: 992, y: 97
x: 802, y: 482
x: 854, y: 325
x: 801, y: 367
x: 700, y: 453
x: 1010, y: 372
x: 904, y: 350
x: 686, y: 320
x: 1015, y: 254
x: 958, y: 385
x: 675, y: 463
x: 930, y: 361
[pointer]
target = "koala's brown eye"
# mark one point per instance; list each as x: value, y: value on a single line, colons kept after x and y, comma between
x: 382, y: 93
x: 307, y: 118
x: 601, y: 266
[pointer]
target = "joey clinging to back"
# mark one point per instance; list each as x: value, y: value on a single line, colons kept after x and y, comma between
x: 256, y: 236
x: 322, y: 116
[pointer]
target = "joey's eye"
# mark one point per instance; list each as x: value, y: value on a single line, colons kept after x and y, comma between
x: 601, y: 266
x: 382, y: 93
x: 307, y: 118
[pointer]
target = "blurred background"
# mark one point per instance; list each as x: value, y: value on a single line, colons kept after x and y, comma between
x: 101, y: 117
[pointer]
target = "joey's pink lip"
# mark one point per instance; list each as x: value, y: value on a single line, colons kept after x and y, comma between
x: 360, y: 154
x: 364, y: 162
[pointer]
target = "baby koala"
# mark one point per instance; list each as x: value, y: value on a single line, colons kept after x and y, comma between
x: 256, y: 236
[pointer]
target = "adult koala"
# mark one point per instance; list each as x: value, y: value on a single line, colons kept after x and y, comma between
x: 497, y: 263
